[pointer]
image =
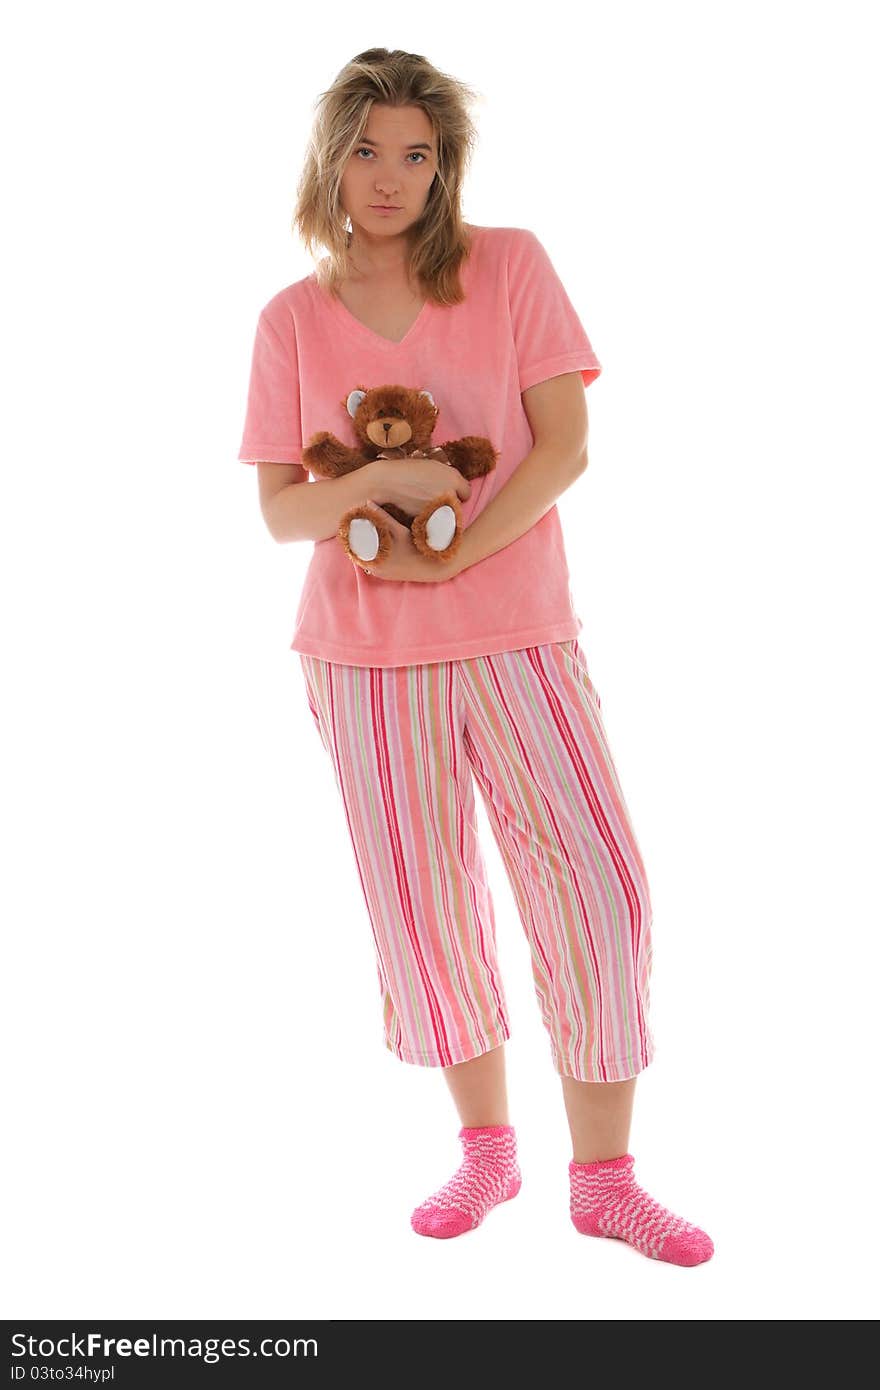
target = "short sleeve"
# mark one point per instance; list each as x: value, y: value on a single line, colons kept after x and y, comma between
x: 549, y: 337
x: 273, y: 427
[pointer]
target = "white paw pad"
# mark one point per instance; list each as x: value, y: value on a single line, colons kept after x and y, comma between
x: 363, y: 538
x: 440, y: 528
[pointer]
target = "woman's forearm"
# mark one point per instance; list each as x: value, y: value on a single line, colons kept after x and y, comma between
x: 312, y: 511
x: 544, y: 474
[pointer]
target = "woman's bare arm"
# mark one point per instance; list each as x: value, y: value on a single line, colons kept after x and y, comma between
x: 295, y: 509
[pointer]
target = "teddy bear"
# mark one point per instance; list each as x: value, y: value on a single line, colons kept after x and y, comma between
x: 397, y: 422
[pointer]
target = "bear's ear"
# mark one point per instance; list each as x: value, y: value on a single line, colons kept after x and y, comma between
x: 430, y: 397
x: 353, y: 402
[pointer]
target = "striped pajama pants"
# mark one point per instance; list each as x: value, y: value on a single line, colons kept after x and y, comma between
x: 406, y: 744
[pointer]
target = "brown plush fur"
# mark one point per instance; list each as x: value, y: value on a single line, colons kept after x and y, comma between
x: 398, y: 422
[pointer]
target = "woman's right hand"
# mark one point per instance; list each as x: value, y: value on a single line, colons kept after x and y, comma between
x: 410, y: 483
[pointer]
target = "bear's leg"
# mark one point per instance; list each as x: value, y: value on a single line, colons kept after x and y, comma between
x: 436, y: 529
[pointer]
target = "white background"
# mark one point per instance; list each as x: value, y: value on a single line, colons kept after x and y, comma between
x: 203, y: 1119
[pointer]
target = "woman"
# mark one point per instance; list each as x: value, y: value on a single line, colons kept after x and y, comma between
x: 422, y: 675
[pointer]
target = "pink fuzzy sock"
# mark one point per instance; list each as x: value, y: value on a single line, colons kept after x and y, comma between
x: 606, y: 1200
x: 489, y: 1175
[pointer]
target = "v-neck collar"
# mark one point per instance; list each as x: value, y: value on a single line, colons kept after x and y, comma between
x: 352, y: 322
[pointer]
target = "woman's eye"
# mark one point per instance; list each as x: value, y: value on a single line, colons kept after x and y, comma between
x: 365, y: 150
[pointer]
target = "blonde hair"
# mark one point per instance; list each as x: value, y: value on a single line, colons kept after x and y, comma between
x: 438, y: 242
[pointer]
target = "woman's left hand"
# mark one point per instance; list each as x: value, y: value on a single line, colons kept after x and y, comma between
x: 405, y: 562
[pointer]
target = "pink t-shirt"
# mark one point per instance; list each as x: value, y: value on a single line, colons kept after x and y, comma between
x: 515, y: 327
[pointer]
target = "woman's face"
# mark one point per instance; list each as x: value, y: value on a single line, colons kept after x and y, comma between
x: 393, y: 165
